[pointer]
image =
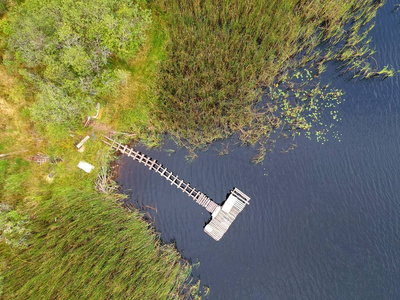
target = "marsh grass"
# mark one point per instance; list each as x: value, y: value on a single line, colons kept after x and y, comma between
x: 86, y: 246
x: 223, y: 54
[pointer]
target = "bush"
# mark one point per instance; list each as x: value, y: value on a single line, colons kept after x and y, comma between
x: 3, y: 8
x: 63, y: 49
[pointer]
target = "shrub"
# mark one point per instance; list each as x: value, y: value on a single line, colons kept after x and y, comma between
x: 63, y: 49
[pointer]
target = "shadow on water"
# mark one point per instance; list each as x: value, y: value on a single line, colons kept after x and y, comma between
x: 324, y: 221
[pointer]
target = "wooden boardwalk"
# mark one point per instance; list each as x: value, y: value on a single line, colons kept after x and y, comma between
x: 222, y: 216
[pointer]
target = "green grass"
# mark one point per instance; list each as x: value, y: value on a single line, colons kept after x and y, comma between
x: 130, y: 109
x: 77, y: 243
x: 82, y: 244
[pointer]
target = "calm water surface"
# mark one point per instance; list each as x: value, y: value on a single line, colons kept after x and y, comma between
x: 324, y: 220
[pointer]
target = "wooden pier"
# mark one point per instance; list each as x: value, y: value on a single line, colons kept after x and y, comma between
x: 224, y: 215
x: 221, y: 216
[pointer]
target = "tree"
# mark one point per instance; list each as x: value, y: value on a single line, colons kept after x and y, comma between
x: 63, y: 48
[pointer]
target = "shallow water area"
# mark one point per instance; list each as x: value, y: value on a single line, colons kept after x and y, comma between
x: 324, y: 220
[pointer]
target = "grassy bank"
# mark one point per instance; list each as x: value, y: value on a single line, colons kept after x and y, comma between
x: 82, y: 245
x: 61, y: 238
x: 129, y: 109
x: 64, y: 239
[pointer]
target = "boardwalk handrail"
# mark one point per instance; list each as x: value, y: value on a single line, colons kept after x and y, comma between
x: 198, y: 196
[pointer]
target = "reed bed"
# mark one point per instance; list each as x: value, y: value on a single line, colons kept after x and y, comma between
x: 222, y: 55
x: 82, y: 245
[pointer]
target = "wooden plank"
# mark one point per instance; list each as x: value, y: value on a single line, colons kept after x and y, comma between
x: 123, y: 151
x: 244, y: 197
x: 193, y: 190
x: 211, y: 206
x: 184, y: 189
x: 173, y: 179
x: 83, y: 141
x: 189, y: 190
x: 152, y: 165
x: 200, y: 198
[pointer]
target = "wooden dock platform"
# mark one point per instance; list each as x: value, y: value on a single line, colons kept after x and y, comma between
x: 222, y: 216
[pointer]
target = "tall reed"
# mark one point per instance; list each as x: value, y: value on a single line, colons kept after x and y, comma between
x: 222, y: 55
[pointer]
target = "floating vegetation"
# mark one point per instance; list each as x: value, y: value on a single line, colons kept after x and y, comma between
x: 169, y: 151
x: 303, y: 105
x: 224, y: 150
x: 387, y: 71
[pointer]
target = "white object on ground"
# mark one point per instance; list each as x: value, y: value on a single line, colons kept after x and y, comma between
x: 85, y: 166
x: 97, y: 111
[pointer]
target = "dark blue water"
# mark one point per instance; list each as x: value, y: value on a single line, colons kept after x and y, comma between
x: 324, y: 220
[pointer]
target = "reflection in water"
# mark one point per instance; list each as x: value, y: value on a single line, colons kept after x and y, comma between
x: 324, y: 223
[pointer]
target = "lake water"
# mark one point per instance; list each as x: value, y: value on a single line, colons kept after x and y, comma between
x: 324, y: 220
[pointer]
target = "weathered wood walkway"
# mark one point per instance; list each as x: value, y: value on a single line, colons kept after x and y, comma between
x: 222, y: 216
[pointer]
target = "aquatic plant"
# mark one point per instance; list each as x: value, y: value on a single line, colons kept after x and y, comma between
x: 303, y: 105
